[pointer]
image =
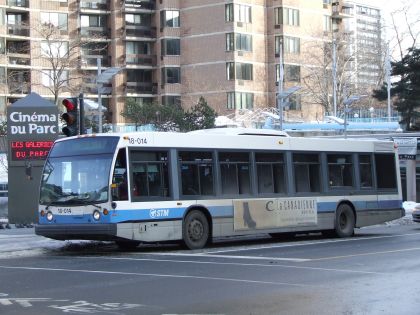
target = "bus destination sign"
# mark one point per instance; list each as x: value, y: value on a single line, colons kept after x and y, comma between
x: 29, y: 150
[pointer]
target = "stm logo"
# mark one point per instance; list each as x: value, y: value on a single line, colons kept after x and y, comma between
x: 161, y: 213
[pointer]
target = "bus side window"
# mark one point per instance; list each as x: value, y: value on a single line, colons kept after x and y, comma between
x: 119, y: 178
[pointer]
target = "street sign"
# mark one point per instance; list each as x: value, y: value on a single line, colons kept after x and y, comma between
x: 407, y: 148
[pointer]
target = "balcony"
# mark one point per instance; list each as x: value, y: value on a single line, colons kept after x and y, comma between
x: 92, y: 60
x: 94, y: 5
x: 18, y: 30
x: 139, y: 5
x: 139, y: 31
x: 18, y: 3
x: 19, y: 87
x: 140, y: 60
x: 19, y: 59
x: 95, y: 32
x: 140, y: 88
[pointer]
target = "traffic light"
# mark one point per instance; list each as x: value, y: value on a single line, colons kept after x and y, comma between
x: 70, y: 117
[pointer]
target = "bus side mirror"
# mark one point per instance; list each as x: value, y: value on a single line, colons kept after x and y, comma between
x: 115, y: 191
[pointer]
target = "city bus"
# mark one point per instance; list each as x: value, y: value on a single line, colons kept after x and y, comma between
x: 193, y: 187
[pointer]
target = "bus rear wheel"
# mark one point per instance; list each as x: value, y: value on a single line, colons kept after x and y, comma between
x: 344, y: 221
x: 195, y: 232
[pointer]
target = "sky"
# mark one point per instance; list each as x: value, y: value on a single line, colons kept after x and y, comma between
x: 392, y: 6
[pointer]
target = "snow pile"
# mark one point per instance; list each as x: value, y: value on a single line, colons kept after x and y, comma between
x: 409, y: 207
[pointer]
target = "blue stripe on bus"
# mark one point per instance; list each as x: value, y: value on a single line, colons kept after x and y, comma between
x: 116, y: 216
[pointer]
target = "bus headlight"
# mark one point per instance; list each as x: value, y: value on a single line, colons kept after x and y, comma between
x: 49, y: 216
x: 96, y: 215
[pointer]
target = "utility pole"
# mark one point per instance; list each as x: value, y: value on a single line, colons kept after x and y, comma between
x: 388, y: 79
x: 280, y: 86
x: 99, y: 86
x: 334, y: 73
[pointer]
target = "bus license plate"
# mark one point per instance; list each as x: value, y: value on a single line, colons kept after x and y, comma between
x: 69, y: 211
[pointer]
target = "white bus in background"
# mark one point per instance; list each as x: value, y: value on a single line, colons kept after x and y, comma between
x: 193, y: 187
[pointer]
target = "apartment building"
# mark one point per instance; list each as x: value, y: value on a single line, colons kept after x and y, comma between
x: 169, y: 51
x: 362, y: 26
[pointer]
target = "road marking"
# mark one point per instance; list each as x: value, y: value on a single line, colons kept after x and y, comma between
x: 160, y: 276
x: 229, y: 256
x: 303, y: 243
x: 232, y: 264
x: 368, y: 254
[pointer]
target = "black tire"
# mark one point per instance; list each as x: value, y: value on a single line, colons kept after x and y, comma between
x: 345, y: 221
x: 195, y: 231
x: 127, y: 245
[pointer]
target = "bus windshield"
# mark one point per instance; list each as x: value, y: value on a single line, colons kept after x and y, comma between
x: 77, y: 172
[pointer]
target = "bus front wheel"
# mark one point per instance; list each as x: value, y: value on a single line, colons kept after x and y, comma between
x: 195, y: 232
x: 344, y: 221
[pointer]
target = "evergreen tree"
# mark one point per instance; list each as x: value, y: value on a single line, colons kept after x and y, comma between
x: 200, y: 116
x: 406, y: 91
x: 170, y: 117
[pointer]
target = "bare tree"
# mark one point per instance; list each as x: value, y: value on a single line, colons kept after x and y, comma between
x: 404, y: 27
x: 59, y: 59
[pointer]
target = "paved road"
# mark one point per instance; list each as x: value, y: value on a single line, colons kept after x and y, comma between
x: 375, y: 272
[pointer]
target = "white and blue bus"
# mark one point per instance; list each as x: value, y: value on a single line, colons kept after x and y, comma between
x: 193, y: 187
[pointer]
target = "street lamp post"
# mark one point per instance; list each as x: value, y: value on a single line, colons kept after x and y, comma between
x: 347, y: 102
x: 102, y: 78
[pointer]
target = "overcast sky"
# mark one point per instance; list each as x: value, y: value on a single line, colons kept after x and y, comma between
x: 393, y: 6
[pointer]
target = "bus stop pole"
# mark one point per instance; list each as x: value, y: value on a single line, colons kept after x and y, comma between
x: 411, y: 180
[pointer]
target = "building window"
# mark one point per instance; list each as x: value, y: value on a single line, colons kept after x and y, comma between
x: 327, y: 27
x: 138, y: 48
x: 58, y: 20
x: 54, y: 49
x: 171, y: 47
x: 240, y: 100
x: 292, y: 102
x: 141, y: 19
x: 49, y: 76
x: 93, y: 20
x: 286, y: 16
x: 238, y: 13
x: 139, y: 75
x: 239, y: 71
x: 171, y: 75
x: 291, y: 73
x: 238, y: 41
x: 169, y: 18
x: 291, y: 45
x: 172, y: 100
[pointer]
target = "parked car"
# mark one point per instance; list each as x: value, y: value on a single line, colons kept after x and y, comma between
x: 416, y: 213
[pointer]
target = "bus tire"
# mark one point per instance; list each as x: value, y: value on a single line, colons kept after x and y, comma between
x: 345, y: 221
x: 195, y: 231
x: 127, y: 245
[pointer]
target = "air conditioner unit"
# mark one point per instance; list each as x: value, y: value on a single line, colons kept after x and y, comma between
x: 240, y: 24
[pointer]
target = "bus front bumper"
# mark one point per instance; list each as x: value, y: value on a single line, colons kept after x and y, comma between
x: 103, y: 232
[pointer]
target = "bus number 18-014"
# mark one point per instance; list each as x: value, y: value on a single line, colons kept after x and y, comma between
x: 138, y: 141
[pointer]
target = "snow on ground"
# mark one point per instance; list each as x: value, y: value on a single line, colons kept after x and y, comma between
x: 409, y: 207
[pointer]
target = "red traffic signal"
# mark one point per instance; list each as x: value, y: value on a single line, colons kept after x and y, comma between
x: 70, y: 117
x: 70, y: 104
